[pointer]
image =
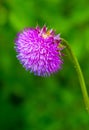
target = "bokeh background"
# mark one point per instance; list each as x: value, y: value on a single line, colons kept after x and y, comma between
x: 28, y: 102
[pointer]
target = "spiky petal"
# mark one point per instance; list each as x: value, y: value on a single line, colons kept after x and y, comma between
x: 39, y: 50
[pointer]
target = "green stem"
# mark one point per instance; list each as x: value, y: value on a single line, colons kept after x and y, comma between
x: 79, y: 72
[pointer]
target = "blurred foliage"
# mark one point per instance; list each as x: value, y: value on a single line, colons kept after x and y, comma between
x: 28, y: 102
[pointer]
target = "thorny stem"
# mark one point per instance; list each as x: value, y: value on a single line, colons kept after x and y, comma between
x: 79, y: 72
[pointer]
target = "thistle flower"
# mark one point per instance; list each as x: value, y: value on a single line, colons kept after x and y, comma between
x: 39, y: 50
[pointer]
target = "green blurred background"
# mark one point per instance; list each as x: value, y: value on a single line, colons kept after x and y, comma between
x: 28, y: 102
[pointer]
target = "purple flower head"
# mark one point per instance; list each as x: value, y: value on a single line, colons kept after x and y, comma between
x: 39, y: 50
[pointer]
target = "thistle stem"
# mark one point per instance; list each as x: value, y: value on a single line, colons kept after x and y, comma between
x: 79, y: 73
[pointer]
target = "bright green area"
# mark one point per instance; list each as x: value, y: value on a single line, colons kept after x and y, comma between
x: 28, y: 102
